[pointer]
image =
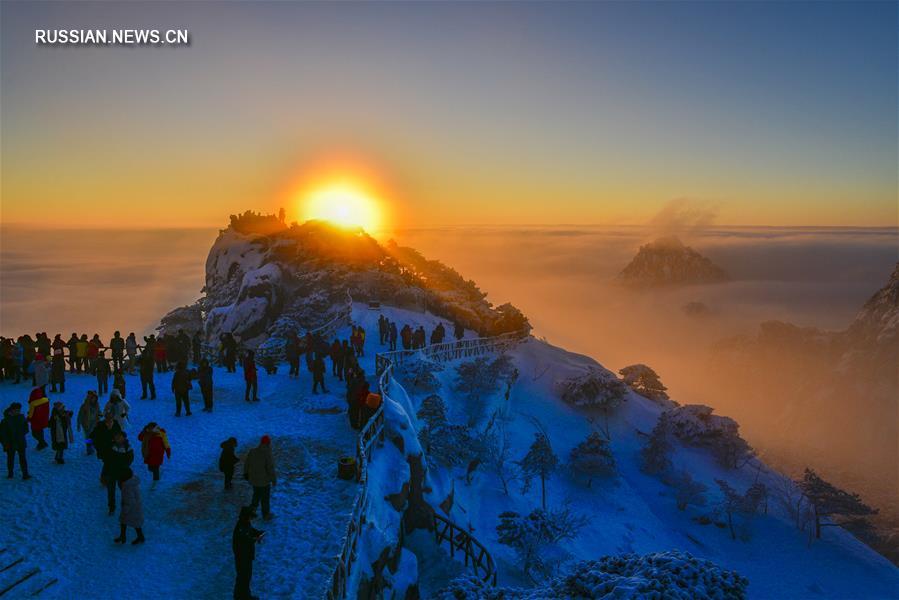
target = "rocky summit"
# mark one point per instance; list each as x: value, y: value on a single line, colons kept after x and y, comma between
x: 667, y: 261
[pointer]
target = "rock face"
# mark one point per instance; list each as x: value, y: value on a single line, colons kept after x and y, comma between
x: 830, y: 396
x: 667, y: 261
x: 264, y: 278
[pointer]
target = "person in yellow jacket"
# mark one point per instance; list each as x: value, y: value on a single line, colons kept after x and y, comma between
x: 81, y: 353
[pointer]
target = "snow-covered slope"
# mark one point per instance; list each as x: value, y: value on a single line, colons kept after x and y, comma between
x: 632, y: 511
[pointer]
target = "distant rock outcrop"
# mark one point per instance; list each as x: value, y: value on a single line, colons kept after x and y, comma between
x: 264, y: 277
x: 667, y: 261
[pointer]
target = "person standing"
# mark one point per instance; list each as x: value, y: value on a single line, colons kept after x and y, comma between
x: 228, y: 460
x: 318, y: 374
x: 60, y: 430
x: 13, y: 431
x: 154, y: 447
x: 88, y: 416
x: 458, y: 331
x: 41, y: 373
x: 118, y: 408
x: 72, y: 346
x: 204, y: 378
x: 38, y: 415
x: 132, y: 513
x: 181, y: 388
x: 81, y: 353
x: 382, y: 329
x: 250, y: 377
x: 101, y: 368
x: 392, y: 335
x: 229, y: 351
x: 336, y: 353
x: 93, y: 351
x: 243, y: 544
x: 196, y: 345
x: 259, y: 470
x: 117, y: 461
x: 146, y: 374
x: 58, y: 372
x: 117, y: 345
x: 292, y: 354
x: 130, y: 352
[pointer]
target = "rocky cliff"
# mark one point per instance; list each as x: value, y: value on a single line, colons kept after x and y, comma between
x: 667, y: 261
x: 264, y: 278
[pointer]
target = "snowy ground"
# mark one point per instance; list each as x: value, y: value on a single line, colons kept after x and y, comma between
x: 634, y: 512
x: 58, y: 519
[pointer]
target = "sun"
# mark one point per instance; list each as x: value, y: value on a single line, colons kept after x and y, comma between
x: 343, y: 203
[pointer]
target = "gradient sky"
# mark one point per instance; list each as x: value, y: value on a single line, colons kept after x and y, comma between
x: 773, y: 113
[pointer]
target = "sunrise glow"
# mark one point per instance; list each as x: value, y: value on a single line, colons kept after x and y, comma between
x: 342, y: 203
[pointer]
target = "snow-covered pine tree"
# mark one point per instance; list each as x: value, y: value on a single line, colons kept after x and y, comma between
x: 744, y: 505
x: 827, y: 500
x: 529, y: 535
x: 646, y: 382
x: 656, y: 455
x: 598, y: 389
x: 592, y: 458
x: 433, y: 414
x: 686, y: 489
x: 540, y: 461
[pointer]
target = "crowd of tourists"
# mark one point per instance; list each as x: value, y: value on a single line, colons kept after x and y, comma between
x: 103, y: 418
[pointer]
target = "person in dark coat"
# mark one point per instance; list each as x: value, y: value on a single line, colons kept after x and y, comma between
x: 204, y: 379
x: 196, y: 345
x: 243, y: 544
x: 146, y: 374
x: 228, y: 460
x: 58, y: 372
x: 60, y: 430
x: 117, y: 345
x: 318, y: 374
x: 383, y: 328
x: 406, y: 334
x: 229, y: 352
x: 72, y: 346
x: 116, y: 457
x: 349, y: 357
x: 13, y: 433
x: 250, y: 377
x: 181, y: 388
x: 458, y: 331
x: 259, y: 470
x: 392, y: 335
x: 132, y: 513
x: 292, y: 354
x: 101, y: 368
x: 336, y: 352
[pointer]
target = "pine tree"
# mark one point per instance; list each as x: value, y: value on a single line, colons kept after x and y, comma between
x: 433, y: 414
x: 593, y: 457
x: 827, y: 500
x: 597, y: 389
x: 687, y: 490
x: 540, y: 461
x: 645, y: 381
x: 656, y: 455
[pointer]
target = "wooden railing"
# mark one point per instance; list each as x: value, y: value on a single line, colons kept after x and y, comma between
x: 475, y: 554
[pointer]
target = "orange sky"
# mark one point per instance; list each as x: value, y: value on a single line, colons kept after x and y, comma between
x: 602, y: 114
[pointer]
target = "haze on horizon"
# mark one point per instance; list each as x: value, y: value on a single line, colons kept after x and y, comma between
x: 513, y: 113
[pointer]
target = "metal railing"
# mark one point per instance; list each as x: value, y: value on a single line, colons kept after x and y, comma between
x: 474, y: 551
x: 459, y: 539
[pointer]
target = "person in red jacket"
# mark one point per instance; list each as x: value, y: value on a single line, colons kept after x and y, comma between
x: 154, y: 446
x: 38, y: 415
x: 249, y: 376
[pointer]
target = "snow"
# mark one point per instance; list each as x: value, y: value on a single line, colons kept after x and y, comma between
x: 636, y: 512
x: 58, y: 519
